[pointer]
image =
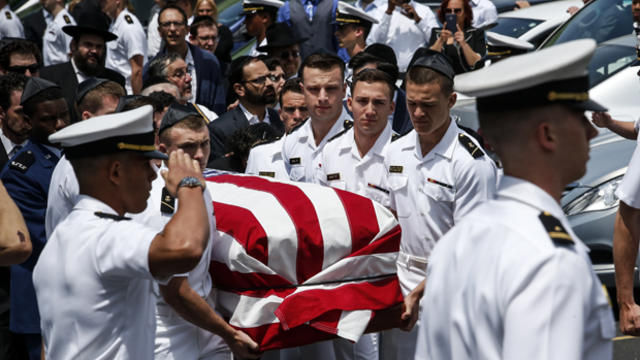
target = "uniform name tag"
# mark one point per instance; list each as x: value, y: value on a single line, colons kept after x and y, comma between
x: 334, y: 176
x: 294, y: 161
x: 267, y: 173
x: 395, y: 169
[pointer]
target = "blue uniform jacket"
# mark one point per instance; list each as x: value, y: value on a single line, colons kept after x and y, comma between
x: 27, y: 176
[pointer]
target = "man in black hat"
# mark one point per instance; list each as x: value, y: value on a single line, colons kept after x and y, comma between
x: 88, y: 53
x: 285, y: 46
x: 26, y: 177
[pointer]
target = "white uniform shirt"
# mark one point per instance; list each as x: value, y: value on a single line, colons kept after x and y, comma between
x: 154, y: 40
x: 266, y: 160
x: 10, y: 25
x: 55, y: 43
x: 500, y: 288
x: 300, y: 153
x: 432, y: 193
x: 484, y: 13
x: 131, y: 41
x: 62, y: 196
x: 342, y: 167
x: 402, y: 34
x: 93, y: 286
x: 629, y: 189
x: 254, y: 48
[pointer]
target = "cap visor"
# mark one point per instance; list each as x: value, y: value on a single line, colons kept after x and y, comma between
x: 155, y: 155
x: 589, y: 105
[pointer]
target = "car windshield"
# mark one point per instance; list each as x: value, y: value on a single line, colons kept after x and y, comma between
x: 514, y: 27
x: 600, y: 20
x: 608, y: 60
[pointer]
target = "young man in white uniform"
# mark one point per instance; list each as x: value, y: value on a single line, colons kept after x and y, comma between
x: 512, y: 280
x: 93, y: 280
x: 435, y: 175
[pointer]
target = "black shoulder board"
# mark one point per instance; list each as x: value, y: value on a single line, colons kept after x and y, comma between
x: 554, y: 228
x: 66, y: 19
x: 128, y: 19
x: 8, y: 15
x: 297, y: 126
x: 167, y: 202
x: 263, y: 142
x: 115, y: 217
x: 472, y: 148
x: 347, y: 124
x: 396, y: 136
x: 337, y: 135
x: 23, y: 161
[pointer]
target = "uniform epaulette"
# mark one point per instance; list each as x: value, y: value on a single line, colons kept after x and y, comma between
x: 128, y: 19
x: 554, y: 228
x: 8, y: 15
x: 264, y: 142
x: 23, y: 161
x: 472, y: 148
x: 167, y: 202
x: 396, y: 136
x: 66, y: 19
x: 115, y: 217
x: 347, y: 124
x: 298, y: 126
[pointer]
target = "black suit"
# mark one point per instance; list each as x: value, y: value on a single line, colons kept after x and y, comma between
x: 3, y: 155
x: 64, y: 75
x: 34, y: 26
x: 222, y: 128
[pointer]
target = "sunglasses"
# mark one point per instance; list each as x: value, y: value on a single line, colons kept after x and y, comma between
x: 23, y: 69
x: 453, y: 11
x: 286, y: 54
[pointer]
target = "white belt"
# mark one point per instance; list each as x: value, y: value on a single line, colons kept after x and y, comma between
x: 411, y: 261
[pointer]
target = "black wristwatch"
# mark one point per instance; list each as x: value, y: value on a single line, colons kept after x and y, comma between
x: 190, y: 182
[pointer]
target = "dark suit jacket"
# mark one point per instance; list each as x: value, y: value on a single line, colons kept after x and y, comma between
x: 401, y: 121
x: 3, y: 155
x: 65, y: 77
x: 34, y: 26
x: 221, y: 129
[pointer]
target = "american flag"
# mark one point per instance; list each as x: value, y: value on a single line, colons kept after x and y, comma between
x: 296, y: 263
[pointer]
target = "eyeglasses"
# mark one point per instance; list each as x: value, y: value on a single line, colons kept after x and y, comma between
x: 167, y: 24
x: 451, y: 11
x: 23, y: 69
x: 262, y: 79
x: 286, y: 54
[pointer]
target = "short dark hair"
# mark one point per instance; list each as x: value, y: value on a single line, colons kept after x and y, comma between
x: 49, y: 94
x: 421, y: 75
x: 135, y: 102
x: 191, y: 122
x: 322, y: 61
x: 173, y: 6
x: 270, y: 61
x: 9, y: 83
x: 200, y: 21
x: 363, y: 58
x: 291, y: 85
x: 161, y: 100
x: 371, y: 76
x: 236, y: 74
x: 157, y: 68
x: 92, y: 100
x: 18, y: 46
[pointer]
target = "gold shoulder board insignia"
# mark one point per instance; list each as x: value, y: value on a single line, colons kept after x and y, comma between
x: 8, y: 15
x: 334, y: 176
x: 267, y: 173
x: 472, y: 148
x: 395, y: 169
x: 167, y: 202
x: 66, y: 19
x: 294, y: 161
x: 554, y: 228
x: 128, y: 19
x: 348, y: 124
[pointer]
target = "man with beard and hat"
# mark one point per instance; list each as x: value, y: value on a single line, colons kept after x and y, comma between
x: 283, y: 45
x: 88, y: 52
x: 254, y: 85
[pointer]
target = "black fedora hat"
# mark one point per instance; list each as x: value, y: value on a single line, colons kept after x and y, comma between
x: 91, y: 22
x: 280, y: 35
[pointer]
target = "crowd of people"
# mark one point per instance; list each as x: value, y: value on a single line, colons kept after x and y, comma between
x: 106, y: 128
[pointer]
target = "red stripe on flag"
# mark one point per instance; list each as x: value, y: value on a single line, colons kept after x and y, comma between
x: 272, y: 336
x: 308, y: 305
x: 240, y: 224
x: 388, y: 243
x: 362, y: 218
x: 301, y: 211
x: 226, y: 279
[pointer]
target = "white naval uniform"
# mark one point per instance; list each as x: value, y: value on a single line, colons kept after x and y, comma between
x: 55, y: 43
x: 10, y: 25
x: 131, y: 41
x: 177, y: 338
x: 266, y: 160
x: 402, y: 34
x: 499, y: 287
x: 629, y: 189
x: 484, y: 13
x: 254, y: 48
x: 93, y: 286
x: 430, y: 194
x: 299, y: 150
x: 62, y: 196
x: 154, y: 39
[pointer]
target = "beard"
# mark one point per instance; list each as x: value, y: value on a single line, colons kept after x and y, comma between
x: 266, y: 98
x: 89, y: 68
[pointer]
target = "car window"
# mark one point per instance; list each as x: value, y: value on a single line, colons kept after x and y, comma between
x: 600, y: 20
x: 608, y: 60
x: 514, y: 27
x: 231, y: 14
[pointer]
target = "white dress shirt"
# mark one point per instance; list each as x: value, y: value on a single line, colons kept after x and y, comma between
x: 10, y: 146
x: 484, y: 13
